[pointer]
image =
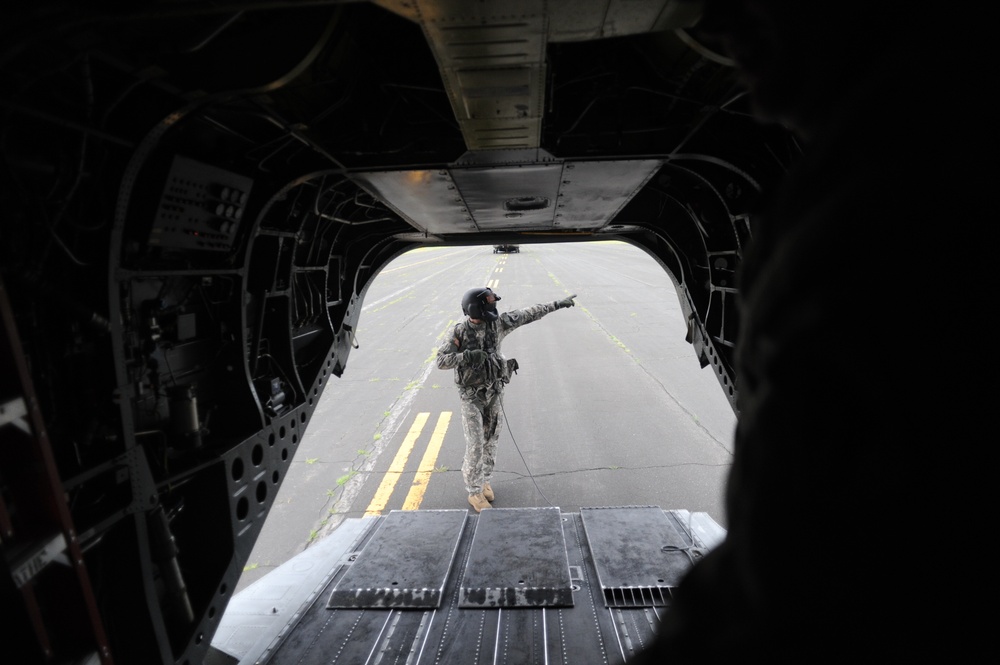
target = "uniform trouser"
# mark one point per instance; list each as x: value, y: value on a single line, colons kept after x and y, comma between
x: 481, y: 413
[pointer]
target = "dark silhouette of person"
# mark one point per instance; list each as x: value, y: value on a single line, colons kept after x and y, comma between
x: 856, y: 531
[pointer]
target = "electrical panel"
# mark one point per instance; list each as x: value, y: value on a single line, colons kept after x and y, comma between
x: 201, y: 207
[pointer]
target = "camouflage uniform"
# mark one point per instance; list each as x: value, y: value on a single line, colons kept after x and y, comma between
x: 481, y: 388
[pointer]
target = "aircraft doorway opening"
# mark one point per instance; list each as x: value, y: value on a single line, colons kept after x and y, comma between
x: 610, y: 406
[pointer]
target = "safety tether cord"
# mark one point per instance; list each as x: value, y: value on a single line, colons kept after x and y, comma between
x: 518, y: 449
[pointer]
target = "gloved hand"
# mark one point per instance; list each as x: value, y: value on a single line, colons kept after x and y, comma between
x: 565, y: 302
x: 475, y: 357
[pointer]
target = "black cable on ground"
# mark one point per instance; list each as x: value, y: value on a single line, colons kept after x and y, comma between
x: 518, y: 449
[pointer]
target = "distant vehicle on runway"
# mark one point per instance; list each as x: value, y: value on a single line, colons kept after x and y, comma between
x: 506, y: 249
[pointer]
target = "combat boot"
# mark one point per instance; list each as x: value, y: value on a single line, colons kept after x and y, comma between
x: 488, y: 492
x: 479, y: 502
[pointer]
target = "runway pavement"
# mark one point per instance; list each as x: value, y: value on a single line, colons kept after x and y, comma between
x: 610, y: 406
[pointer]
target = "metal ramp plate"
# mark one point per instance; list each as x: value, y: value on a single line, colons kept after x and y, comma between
x: 518, y: 559
x: 405, y: 564
x: 638, y: 553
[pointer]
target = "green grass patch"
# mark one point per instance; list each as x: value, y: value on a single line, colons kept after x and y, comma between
x: 346, y: 477
x: 619, y: 343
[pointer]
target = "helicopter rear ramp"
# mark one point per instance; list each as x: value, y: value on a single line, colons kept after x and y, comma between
x: 510, y: 585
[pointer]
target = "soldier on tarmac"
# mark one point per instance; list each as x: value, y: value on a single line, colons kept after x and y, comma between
x: 481, y: 372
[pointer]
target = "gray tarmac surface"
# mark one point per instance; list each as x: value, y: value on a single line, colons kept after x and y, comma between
x: 610, y: 406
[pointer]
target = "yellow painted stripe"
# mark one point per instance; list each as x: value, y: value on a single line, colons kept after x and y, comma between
x: 500, y: 269
x: 416, y: 494
x: 492, y: 284
x: 391, y: 477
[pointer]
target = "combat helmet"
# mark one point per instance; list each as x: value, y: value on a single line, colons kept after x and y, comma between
x: 474, y: 304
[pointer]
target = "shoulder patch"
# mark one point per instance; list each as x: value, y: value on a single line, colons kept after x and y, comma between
x: 457, y: 334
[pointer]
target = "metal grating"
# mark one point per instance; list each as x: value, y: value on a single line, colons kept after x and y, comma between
x: 383, y: 577
x: 637, y: 597
x: 638, y: 553
x: 529, y: 569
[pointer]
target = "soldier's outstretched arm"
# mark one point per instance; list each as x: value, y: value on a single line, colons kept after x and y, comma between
x: 520, y: 317
x: 565, y: 302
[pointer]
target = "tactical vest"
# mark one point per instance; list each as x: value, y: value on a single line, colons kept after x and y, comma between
x: 496, y: 369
